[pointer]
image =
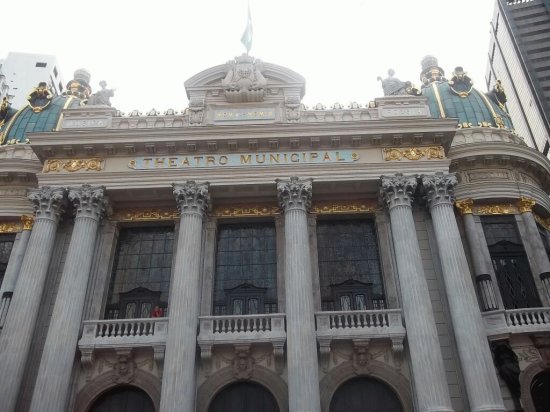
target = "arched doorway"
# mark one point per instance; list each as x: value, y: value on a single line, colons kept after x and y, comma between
x: 365, y: 395
x: 123, y: 399
x: 244, y: 397
x: 540, y: 391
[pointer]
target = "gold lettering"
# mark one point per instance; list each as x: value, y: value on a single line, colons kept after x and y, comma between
x: 147, y: 161
x: 294, y: 157
x: 185, y: 161
x: 258, y: 159
x: 246, y: 159
x: 286, y: 161
x: 210, y: 160
x: 338, y: 158
x: 274, y: 158
x: 198, y: 160
x: 172, y: 162
x: 313, y: 156
x: 304, y: 156
x: 223, y: 160
x: 327, y: 158
x: 159, y: 162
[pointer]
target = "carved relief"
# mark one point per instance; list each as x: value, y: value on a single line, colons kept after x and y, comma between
x: 243, y: 362
x: 244, y: 81
x: 487, y: 175
x: 526, y: 204
x: 192, y: 197
x: 413, y: 153
x: 294, y: 193
x: 464, y: 206
x: 89, y: 201
x: 398, y: 190
x: 498, y: 209
x: 292, y: 106
x: 27, y: 221
x: 196, y: 111
x: 73, y: 165
x: 440, y: 188
x: 47, y: 201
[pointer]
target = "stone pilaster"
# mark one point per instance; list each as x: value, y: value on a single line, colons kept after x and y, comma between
x: 17, y: 334
x: 14, y: 265
x: 179, y: 376
x: 54, y: 374
x: 480, y: 256
x: 432, y: 392
x: 303, y: 373
x: 471, y: 337
x: 534, y: 248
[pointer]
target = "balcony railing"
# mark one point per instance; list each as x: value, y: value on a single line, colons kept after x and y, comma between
x: 502, y: 323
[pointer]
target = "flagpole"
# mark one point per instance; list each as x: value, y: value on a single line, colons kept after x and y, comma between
x: 246, y: 38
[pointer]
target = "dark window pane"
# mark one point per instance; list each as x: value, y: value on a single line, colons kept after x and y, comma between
x: 6, y: 244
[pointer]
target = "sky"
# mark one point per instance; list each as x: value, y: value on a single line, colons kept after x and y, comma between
x: 146, y: 50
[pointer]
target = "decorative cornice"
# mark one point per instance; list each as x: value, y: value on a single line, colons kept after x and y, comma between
x: 526, y: 204
x: 27, y: 221
x: 73, y: 165
x: 144, y: 215
x: 192, y: 197
x: 88, y: 201
x: 413, y: 153
x: 398, y: 190
x: 10, y: 227
x: 294, y: 193
x: 47, y: 201
x: 439, y: 188
x: 249, y: 210
x: 465, y: 206
x: 496, y: 209
x: 348, y: 207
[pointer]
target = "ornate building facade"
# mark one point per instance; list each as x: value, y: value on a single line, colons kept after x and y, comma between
x: 251, y: 254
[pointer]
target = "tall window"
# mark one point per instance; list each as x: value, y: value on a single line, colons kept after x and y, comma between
x: 246, y: 269
x: 349, y: 266
x: 510, y: 263
x: 141, y: 273
x: 6, y: 244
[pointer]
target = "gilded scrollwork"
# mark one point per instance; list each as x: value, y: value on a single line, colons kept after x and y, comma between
x: 27, y: 221
x: 414, y: 153
x: 352, y: 206
x: 246, y: 210
x: 465, y: 206
x: 73, y: 165
x: 10, y: 227
x: 498, y: 209
x: 144, y: 215
x: 526, y: 204
x: 544, y: 222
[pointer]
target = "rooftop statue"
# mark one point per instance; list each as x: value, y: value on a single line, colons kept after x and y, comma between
x: 460, y: 83
x: 395, y: 87
x: 40, y: 97
x: 244, y: 81
x: 101, y: 97
x: 80, y: 85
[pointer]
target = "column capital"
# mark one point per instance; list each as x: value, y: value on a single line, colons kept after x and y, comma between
x: 439, y: 188
x: 28, y: 222
x: 192, y: 197
x: 526, y: 204
x: 88, y: 201
x: 48, y: 201
x: 398, y: 190
x: 294, y: 193
x: 465, y: 206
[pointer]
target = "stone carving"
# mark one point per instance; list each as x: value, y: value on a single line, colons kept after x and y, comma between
x: 392, y: 86
x: 196, y: 112
x: 439, y: 188
x: 101, y: 97
x: 192, y: 197
x: 4, y: 110
x: 294, y: 193
x: 464, y: 206
x: 292, y: 106
x: 244, y: 81
x: 431, y: 72
x: 526, y: 204
x: 498, y: 95
x: 542, y: 343
x: 243, y: 362
x: 170, y: 112
x: 40, y: 97
x: 460, y: 83
x: 88, y: 201
x: 361, y: 356
x: 47, y: 201
x: 125, y: 366
x: 153, y: 112
x: 507, y: 364
x: 398, y: 190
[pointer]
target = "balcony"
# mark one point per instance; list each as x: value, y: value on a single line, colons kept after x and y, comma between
x: 501, y: 324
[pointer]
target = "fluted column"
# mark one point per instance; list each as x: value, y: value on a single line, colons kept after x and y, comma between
x: 179, y: 376
x: 535, y: 248
x: 54, y: 374
x: 14, y: 265
x: 303, y: 374
x: 17, y: 334
x: 482, y: 272
x: 471, y: 337
x: 432, y: 392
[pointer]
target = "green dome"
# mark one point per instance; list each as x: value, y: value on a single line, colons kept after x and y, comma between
x: 28, y: 120
x: 472, y: 108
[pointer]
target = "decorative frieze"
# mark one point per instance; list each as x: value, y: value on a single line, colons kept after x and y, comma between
x: 497, y: 209
x: 145, y: 215
x: 73, y: 165
x: 10, y: 227
x: 464, y: 206
x: 251, y: 210
x: 413, y: 153
x: 526, y: 204
x: 347, y: 207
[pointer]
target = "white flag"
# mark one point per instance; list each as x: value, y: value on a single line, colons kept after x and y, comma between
x: 246, y: 38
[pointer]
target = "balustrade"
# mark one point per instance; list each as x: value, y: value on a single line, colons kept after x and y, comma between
x: 267, y: 327
x: 502, y: 323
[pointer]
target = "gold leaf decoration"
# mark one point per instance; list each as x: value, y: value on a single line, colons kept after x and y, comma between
x: 464, y: 206
x: 497, y: 209
x: 268, y: 209
x: 145, y: 215
x: 414, y: 153
x: 73, y: 165
x: 352, y: 206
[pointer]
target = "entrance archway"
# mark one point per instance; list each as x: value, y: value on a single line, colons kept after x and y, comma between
x: 123, y: 399
x: 540, y: 391
x: 244, y: 397
x: 365, y: 395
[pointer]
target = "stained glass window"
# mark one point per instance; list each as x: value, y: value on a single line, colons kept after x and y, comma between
x: 246, y: 269
x: 6, y: 244
x: 349, y: 265
x: 141, y: 271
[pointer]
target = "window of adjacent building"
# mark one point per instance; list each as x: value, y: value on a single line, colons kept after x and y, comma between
x: 245, y: 281
x: 510, y: 263
x: 349, y: 265
x: 6, y: 244
x: 55, y: 71
x: 41, y: 64
x: 141, y: 272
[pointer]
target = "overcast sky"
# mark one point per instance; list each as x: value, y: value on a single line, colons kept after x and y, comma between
x: 147, y: 49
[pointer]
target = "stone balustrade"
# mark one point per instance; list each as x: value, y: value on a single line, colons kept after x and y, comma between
x: 502, y: 323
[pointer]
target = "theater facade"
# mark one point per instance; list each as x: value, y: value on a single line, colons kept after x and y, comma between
x: 253, y: 254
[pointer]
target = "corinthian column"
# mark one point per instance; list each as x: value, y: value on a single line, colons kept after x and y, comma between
x: 471, y: 337
x: 16, y: 337
x: 430, y: 383
x: 179, y: 376
x: 303, y: 374
x: 53, y: 382
x: 14, y: 265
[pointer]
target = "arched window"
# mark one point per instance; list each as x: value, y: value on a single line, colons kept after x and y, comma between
x: 540, y: 391
x: 244, y: 397
x: 123, y: 399
x: 365, y: 395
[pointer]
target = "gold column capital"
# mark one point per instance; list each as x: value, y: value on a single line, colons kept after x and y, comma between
x: 526, y: 204
x: 465, y: 206
x: 28, y: 222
